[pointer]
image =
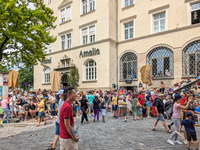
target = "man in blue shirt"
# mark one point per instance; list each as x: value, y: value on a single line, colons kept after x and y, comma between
x: 90, y: 99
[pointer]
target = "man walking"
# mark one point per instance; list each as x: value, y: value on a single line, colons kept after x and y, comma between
x: 67, y: 137
x: 159, y: 108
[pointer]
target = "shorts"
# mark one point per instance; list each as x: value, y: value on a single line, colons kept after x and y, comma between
x: 16, y: 109
x: 41, y: 114
x: 114, y: 107
x: 104, y: 116
x: 140, y: 110
x: 191, y: 136
x: 124, y: 111
x: 77, y: 108
x: 68, y: 144
x: 57, y: 132
x: 149, y: 104
x: 89, y: 106
x: 161, y: 117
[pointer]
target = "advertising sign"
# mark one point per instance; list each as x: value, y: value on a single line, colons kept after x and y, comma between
x: 5, y: 79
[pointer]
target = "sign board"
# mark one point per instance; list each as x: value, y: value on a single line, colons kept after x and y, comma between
x: 5, y: 79
x: 128, y: 80
x: 195, y: 16
x: 94, y: 51
x: 25, y: 83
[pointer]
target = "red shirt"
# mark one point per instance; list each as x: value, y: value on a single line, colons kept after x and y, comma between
x: 142, y: 99
x: 183, y: 101
x: 66, y: 113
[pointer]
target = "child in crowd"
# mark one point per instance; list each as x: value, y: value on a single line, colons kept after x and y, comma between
x: 103, y: 113
x: 124, y: 111
x: 189, y: 125
x: 144, y: 108
x: 120, y: 101
x: 41, y: 114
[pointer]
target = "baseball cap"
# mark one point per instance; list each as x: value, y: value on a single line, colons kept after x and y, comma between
x: 177, y: 96
x: 149, y: 92
x: 60, y: 91
x: 188, y: 114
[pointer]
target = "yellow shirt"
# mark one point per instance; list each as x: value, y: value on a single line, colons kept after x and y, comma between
x: 41, y: 104
x: 114, y: 99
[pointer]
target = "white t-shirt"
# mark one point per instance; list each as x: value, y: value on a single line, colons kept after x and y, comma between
x: 120, y: 101
x: 175, y: 88
x: 12, y: 99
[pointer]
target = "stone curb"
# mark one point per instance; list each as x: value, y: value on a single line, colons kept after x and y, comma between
x: 21, y: 124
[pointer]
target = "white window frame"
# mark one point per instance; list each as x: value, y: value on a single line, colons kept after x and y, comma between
x: 69, y: 40
x: 128, y: 29
x: 49, y: 1
x: 88, y: 33
x: 62, y: 18
x: 158, y: 20
x: 88, y: 6
x: 50, y: 48
x: 152, y: 19
x: 47, y: 75
x: 69, y: 32
x: 62, y: 42
x: 92, y: 34
x: 93, y: 4
x: 189, y: 8
x: 66, y: 14
x: 123, y: 2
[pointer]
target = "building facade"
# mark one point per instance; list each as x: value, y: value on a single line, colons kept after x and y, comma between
x: 110, y: 40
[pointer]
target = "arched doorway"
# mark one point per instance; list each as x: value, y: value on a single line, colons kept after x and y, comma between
x: 64, y: 79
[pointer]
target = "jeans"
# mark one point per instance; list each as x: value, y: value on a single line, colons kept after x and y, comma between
x: 96, y: 112
x: 144, y: 111
x: 84, y: 115
x: 53, y: 106
x: 177, y: 122
x: 140, y: 110
x: 6, y: 112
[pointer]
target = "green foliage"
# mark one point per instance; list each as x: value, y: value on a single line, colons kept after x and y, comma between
x: 23, y: 33
x: 4, y: 69
x: 26, y: 75
x: 73, y: 77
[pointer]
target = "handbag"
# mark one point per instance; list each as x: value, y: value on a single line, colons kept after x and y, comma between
x: 138, y: 105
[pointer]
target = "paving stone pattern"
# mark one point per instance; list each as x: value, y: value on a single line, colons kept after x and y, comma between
x: 111, y: 135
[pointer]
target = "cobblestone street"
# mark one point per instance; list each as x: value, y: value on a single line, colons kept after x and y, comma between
x: 112, y: 135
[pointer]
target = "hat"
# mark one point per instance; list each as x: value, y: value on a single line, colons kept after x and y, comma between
x: 177, y: 96
x: 191, y: 90
x: 60, y: 91
x: 41, y: 96
x: 188, y: 114
x: 160, y: 95
x: 11, y: 93
x: 149, y: 92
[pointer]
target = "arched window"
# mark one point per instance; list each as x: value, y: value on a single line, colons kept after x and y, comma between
x: 128, y: 66
x: 91, y: 70
x: 162, y: 61
x: 191, y: 59
x: 47, y: 75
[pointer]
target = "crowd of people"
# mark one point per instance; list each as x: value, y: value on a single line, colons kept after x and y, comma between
x: 68, y: 104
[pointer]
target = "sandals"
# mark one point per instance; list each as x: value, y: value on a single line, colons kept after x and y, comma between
x: 50, y: 148
x: 37, y: 125
x: 154, y: 129
x: 51, y: 143
x: 45, y: 124
x: 169, y: 131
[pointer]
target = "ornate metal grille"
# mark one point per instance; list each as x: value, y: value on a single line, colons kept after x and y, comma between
x: 128, y: 66
x: 191, y: 59
x: 162, y: 61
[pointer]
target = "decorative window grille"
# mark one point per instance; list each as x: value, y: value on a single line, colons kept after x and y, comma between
x: 128, y: 66
x: 191, y: 59
x: 91, y: 70
x: 162, y: 61
x: 47, y: 75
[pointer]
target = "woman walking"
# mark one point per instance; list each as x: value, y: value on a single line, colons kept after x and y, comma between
x: 53, y: 105
x: 149, y: 104
x: 114, y: 105
x: 96, y: 105
x: 135, y: 109
x: 83, y: 103
x: 176, y: 118
x: 77, y: 102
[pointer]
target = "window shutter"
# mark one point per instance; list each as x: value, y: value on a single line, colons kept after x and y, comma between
x: 63, y: 13
x: 84, y: 32
x: 68, y: 13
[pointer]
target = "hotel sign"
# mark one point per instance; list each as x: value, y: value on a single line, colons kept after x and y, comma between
x: 47, y: 61
x: 94, y: 51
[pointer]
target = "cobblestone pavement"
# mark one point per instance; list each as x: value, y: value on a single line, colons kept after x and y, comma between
x: 112, y: 135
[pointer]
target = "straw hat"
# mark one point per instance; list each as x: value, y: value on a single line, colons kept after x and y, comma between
x: 160, y: 95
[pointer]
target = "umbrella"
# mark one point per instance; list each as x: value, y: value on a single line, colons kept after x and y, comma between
x: 146, y: 75
x: 13, y: 79
x: 55, y: 80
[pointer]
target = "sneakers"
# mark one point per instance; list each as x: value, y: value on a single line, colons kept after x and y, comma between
x: 148, y: 116
x: 123, y: 120
x: 170, y: 142
x: 185, y: 142
x: 177, y: 142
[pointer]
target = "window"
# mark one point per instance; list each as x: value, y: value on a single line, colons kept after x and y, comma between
x: 92, y: 5
x: 68, y: 13
x: 63, y: 64
x: 92, y: 34
x: 84, y: 6
x: 195, y: 13
x: 62, y: 15
x: 47, y: 75
x: 50, y: 48
x: 128, y: 66
x: 69, y: 41
x: 128, y: 3
x: 84, y: 34
x: 49, y: 1
x: 162, y: 61
x: 159, y: 22
x: 91, y: 70
x: 128, y: 30
x: 191, y: 59
x: 63, y: 42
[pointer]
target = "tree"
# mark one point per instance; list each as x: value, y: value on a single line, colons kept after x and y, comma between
x: 73, y: 77
x: 26, y: 75
x: 23, y: 33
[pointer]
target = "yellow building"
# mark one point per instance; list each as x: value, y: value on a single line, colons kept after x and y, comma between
x: 110, y: 40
